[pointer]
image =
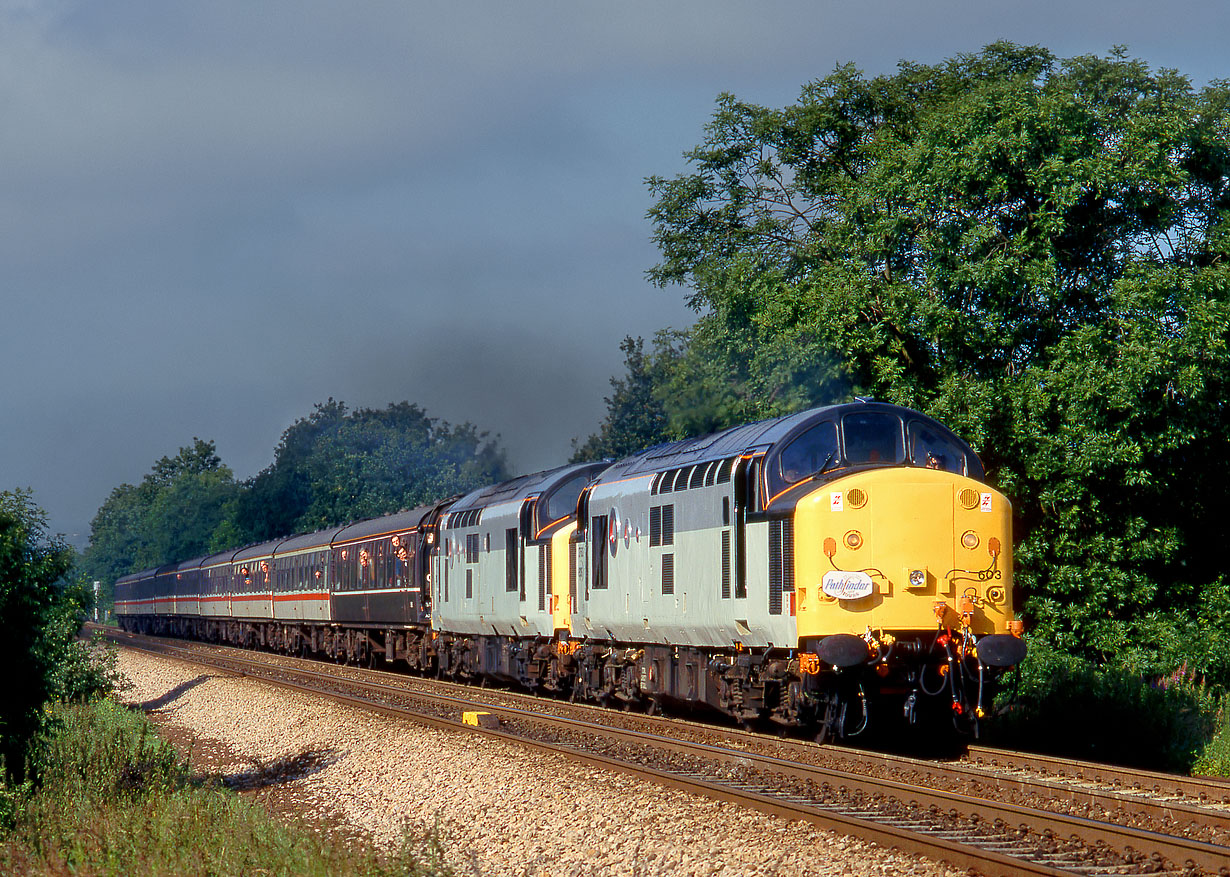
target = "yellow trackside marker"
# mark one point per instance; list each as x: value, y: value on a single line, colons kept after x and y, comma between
x: 480, y: 720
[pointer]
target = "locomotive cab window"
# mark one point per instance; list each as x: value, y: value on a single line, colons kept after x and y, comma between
x: 562, y: 501
x: 873, y: 437
x: 812, y: 452
x: 930, y: 448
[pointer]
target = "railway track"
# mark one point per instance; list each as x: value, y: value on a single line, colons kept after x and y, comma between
x: 893, y: 801
x: 1164, y: 786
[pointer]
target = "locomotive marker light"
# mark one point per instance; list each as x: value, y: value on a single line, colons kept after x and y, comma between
x: 917, y: 578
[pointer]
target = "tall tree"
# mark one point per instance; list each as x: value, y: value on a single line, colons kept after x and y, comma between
x: 1034, y: 250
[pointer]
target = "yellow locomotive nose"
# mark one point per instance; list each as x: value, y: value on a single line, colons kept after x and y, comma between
x: 925, y: 538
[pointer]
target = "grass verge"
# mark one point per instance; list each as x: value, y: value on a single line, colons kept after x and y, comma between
x: 114, y: 799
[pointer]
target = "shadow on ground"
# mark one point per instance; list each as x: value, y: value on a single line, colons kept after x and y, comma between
x: 281, y: 770
x: 173, y: 695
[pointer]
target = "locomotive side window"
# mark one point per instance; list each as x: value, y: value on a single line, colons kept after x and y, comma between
x: 873, y: 437
x: 931, y: 449
x: 810, y: 453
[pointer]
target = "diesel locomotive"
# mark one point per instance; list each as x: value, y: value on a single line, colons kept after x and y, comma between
x: 831, y: 570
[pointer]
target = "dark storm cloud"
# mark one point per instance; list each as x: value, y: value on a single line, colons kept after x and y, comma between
x: 214, y: 215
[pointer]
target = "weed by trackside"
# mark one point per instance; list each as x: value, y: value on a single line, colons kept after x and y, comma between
x: 115, y: 799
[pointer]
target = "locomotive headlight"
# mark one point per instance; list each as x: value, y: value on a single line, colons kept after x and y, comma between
x: 918, y: 578
x: 969, y: 539
x: 854, y: 539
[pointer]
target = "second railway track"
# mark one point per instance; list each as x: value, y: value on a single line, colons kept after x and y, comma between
x: 904, y: 803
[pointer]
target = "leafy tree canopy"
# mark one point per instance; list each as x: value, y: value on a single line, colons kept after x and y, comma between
x: 336, y: 466
x: 184, y: 507
x: 1033, y: 250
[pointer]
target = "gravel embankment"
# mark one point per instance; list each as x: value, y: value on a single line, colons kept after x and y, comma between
x: 503, y: 810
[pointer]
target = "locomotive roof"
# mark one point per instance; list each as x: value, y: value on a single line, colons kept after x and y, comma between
x: 518, y: 488
x: 751, y: 438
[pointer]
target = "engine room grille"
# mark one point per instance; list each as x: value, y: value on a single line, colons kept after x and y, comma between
x: 725, y: 564
x: 572, y: 572
x: 542, y: 577
x: 668, y: 573
x: 781, y: 563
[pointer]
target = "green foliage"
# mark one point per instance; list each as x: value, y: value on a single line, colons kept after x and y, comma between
x: 336, y: 466
x: 1069, y: 707
x: 118, y: 800
x: 183, y: 508
x: 1034, y: 251
x: 1214, y: 759
x: 38, y: 616
x: 83, y: 671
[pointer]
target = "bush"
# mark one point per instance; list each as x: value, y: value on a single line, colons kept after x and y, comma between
x: 35, y: 608
x: 1066, y: 706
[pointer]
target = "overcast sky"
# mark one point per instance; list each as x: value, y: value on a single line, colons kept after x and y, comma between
x: 214, y: 215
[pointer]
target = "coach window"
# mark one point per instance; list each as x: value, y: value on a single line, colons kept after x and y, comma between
x: 873, y: 437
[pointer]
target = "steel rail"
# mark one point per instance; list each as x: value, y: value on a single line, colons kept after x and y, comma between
x: 1181, y: 852
x: 1110, y: 800
x: 1200, y: 788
